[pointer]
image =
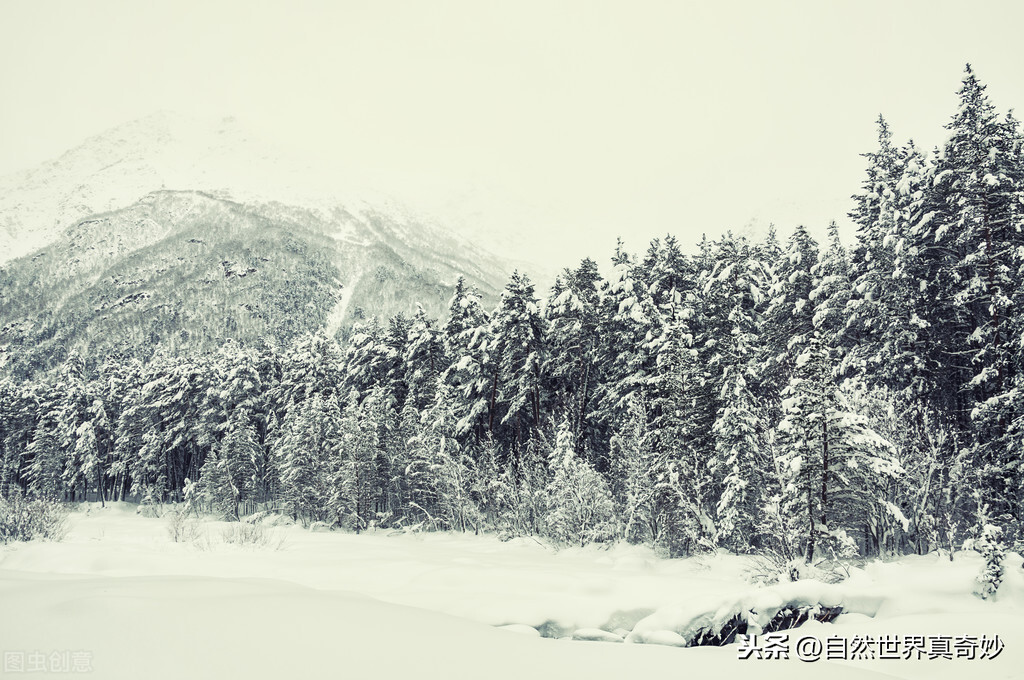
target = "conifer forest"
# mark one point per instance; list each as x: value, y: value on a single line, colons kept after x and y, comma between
x: 791, y: 396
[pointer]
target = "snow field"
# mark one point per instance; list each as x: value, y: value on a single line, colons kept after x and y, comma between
x: 433, y: 605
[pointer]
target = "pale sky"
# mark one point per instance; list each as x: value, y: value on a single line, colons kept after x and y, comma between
x: 563, y: 124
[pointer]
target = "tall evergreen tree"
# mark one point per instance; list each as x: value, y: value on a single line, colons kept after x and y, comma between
x: 572, y: 366
x: 307, y: 453
x: 518, y: 336
x: 827, y: 451
x: 789, y: 317
x: 634, y: 468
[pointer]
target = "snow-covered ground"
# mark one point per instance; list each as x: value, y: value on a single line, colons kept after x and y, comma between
x: 120, y: 597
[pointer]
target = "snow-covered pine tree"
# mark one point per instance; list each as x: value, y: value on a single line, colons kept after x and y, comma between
x: 831, y: 294
x: 451, y: 469
x: 472, y: 366
x: 420, y: 482
x: 245, y: 379
x: 523, y: 486
x: 424, y: 359
x: 230, y: 473
x: 581, y: 509
x: 898, y: 325
x: 686, y: 405
x: 912, y: 350
x: 518, y: 336
x: 148, y: 470
x: 828, y: 451
x: 365, y: 358
x: 46, y: 469
x: 965, y: 252
x: 87, y: 454
x: 306, y: 454
x: 789, y: 317
x: 669, y: 276
x: 395, y: 345
x: 490, y: 490
x: 121, y: 380
x: 464, y: 313
x: 873, y: 302
x: 634, y: 469
x: 356, y: 490
x: 984, y: 154
x: 215, y: 490
x: 873, y: 204
x: 314, y: 364
x: 781, y: 528
x: 894, y: 507
x: 16, y: 426
x: 165, y: 424
x: 390, y: 435
x: 631, y: 337
x: 72, y: 412
x: 572, y: 340
x: 905, y: 354
x: 732, y: 293
x: 739, y: 459
x: 97, y: 466
x: 673, y: 300
x: 992, y: 548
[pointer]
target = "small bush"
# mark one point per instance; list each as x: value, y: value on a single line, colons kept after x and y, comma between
x: 150, y: 510
x: 252, y: 534
x: 182, y: 528
x: 992, y: 548
x: 23, y: 519
x: 772, y: 567
x: 269, y: 518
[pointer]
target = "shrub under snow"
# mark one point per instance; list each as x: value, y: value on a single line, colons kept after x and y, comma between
x: 23, y: 519
x: 991, y: 547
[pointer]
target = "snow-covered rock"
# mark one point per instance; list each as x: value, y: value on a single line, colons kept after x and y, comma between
x: 521, y: 628
x: 595, y: 635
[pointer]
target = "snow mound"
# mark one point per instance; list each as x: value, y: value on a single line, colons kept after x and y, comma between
x: 752, y: 612
x: 595, y: 635
x: 667, y: 638
x: 520, y: 628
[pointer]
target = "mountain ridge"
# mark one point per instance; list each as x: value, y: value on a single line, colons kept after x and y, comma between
x: 90, y: 260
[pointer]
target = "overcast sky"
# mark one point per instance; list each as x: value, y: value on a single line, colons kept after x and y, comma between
x: 565, y: 122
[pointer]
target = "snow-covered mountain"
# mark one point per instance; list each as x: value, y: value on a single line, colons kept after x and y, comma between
x: 164, y: 151
x: 170, y: 229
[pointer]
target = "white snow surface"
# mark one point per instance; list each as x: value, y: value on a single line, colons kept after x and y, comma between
x: 324, y: 603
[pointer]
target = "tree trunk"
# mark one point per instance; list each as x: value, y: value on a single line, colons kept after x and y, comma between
x: 824, y: 469
x: 494, y: 394
x: 810, y: 516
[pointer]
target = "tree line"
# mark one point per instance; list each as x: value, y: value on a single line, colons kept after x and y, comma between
x: 808, y: 400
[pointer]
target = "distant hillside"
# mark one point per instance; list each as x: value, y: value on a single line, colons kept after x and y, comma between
x: 187, y: 270
x: 182, y: 232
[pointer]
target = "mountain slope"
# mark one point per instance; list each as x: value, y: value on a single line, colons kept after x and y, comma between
x: 189, y: 268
